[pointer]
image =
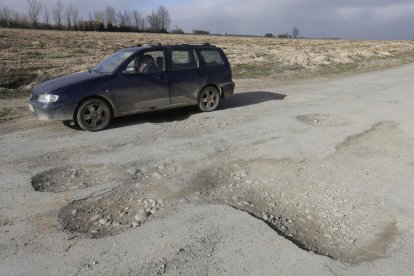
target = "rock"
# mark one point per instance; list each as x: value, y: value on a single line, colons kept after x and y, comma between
x: 157, y: 175
x: 135, y: 224
x: 152, y: 202
x: 327, y: 236
x: 74, y: 212
x: 265, y: 216
x: 95, y: 218
x: 103, y: 221
x: 132, y: 171
x: 141, y: 217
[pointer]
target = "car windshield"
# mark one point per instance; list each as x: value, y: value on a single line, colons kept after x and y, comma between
x: 110, y: 63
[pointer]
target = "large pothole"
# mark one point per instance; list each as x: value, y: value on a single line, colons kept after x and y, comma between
x: 306, y: 203
x: 323, y: 120
x: 67, y: 178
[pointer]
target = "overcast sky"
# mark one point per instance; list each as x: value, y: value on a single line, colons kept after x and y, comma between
x: 355, y: 19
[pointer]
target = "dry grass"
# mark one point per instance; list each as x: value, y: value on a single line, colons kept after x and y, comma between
x: 30, y: 56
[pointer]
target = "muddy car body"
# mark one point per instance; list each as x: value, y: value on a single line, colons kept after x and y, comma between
x: 136, y: 80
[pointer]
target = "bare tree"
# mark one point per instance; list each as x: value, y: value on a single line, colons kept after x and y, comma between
x: 34, y: 8
x: 164, y: 17
x: 153, y: 22
x: 46, y: 14
x: 19, y: 19
x: 98, y: 17
x: 58, y: 13
x: 71, y: 16
x: 138, y: 20
x: 75, y: 16
x: 110, y: 16
x: 68, y: 16
x: 295, y: 32
x: 5, y: 16
x: 159, y: 21
x: 124, y: 19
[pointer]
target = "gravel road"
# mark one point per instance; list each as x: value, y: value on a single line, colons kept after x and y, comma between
x: 313, y: 178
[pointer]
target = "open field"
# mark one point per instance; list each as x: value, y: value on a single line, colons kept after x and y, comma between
x: 287, y: 177
x: 30, y: 56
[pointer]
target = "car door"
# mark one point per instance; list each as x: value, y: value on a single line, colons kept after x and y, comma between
x: 142, y: 87
x: 184, y: 75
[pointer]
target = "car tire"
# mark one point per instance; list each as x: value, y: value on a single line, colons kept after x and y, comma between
x: 93, y: 115
x: 208, y: 99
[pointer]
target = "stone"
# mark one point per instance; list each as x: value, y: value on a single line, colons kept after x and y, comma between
x: 95, y: 217
x: 132, y: 171
x: 141, y: 217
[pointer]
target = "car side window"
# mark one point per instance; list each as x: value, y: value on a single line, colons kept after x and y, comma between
x: 148, y: 62
x: 183, y: 59
x: 211, y: 57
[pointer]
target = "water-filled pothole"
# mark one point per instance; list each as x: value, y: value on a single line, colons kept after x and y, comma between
x: 323, y: 120
x: 67, y: 178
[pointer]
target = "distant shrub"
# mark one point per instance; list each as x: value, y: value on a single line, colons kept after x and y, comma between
x: 200, y: 32
x: 284, y: 36
x: 268, y: 35
x: 177, y: 30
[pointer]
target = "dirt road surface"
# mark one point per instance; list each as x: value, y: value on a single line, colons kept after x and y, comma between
x: 314, y: 178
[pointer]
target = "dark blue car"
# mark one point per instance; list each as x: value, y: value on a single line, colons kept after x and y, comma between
x: 135, y: 80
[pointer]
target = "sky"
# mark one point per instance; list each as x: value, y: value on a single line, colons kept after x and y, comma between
x: 352, y: 19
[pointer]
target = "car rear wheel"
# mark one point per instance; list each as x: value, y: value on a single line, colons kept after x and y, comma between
x: 208, y: 99
x: 93, y: 115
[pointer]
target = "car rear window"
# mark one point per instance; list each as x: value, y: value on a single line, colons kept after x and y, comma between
x: 183, y: 59
x: 211, y: 57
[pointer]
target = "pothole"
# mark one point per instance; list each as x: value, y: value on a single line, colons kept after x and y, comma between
x: 137, y: 201
x: 300, y: 202
x: 323, y: 120
x: 110, y: 214
x: 67, y: 178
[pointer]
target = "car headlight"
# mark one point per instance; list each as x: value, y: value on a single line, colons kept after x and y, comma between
x: 48, y: 98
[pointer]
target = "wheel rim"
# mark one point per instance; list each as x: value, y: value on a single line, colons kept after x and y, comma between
x: 95, y: 115
x: 209, y: 99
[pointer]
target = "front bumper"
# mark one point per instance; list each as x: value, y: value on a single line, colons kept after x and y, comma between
x: 227, y: 89
x: 52, y: 111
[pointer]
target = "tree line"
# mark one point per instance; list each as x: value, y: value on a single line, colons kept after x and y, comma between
x: 66, y: 17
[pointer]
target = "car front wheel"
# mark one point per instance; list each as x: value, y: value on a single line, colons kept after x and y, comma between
x: 208, y: 99
x: 94, y: 115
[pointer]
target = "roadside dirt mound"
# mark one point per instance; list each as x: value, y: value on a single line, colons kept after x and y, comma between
x: 67, y: 178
